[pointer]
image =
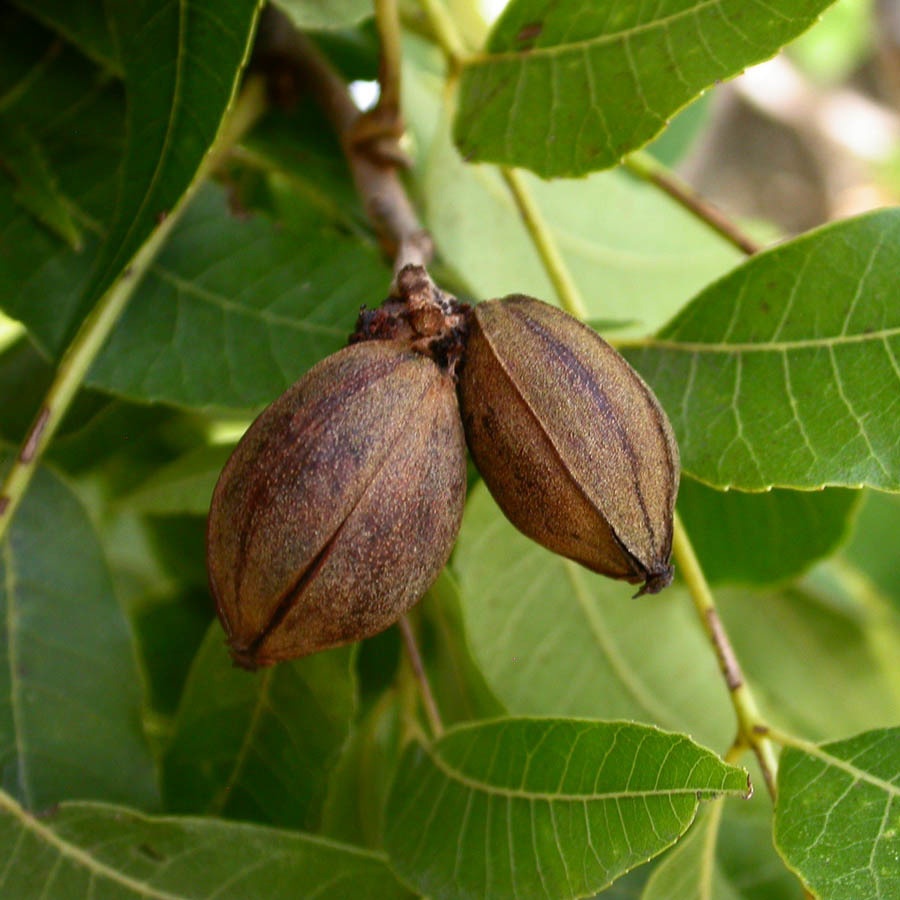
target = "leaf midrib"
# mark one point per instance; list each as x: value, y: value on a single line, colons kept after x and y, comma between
x: 675, y: 345
x: 79, y: 856
x: 91, y: 864
x: 219, y: 802
x: 520, y: 55
x: 520, y: 794
x: 12, y: 657
x: 858, y: 774
x: 226, y: 305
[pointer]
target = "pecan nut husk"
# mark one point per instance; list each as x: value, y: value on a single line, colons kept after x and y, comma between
x: 339, y: 506
x: 571, y: 442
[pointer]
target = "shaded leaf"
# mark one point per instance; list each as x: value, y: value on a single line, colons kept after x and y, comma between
x: 258, y: 746
x: 358, y: 786
x: 690, y: 871
x: 85, y: 24
x: 184, y: 486
x: 70, y: 694
x: 36, y: 189
x: 458, y: 684
x: 235, y: 310
x: 41, y: 283
x: 791, y: 642
x: 636, y: 256
x: 568, y: 87
x: 836, y: 819
x: 879, y: 515
x: 553, y: 638
x: 180, y: 63
x: 787, y: 371
x: 512, y: 806
x: 134, y: 153
x: 91, y: 850
x: 763, y: 538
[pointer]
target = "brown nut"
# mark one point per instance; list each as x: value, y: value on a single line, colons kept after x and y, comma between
x: 570, y: 441
x: 339, y: 506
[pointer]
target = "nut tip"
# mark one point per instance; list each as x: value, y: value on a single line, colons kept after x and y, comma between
x: 657, y: 580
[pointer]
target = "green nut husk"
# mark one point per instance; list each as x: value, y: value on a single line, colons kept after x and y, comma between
x: 339, y: 506
x: 571, y: 442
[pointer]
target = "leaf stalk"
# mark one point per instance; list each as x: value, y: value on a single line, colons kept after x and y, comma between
x: 651, y: 170
x: 753, y: 731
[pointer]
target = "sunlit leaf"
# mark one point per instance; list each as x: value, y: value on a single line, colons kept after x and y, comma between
x: 636, y: 256
x: 566, y: 88
x: 690, y: 871
x: 787, y: 371
x: 550, y: 807
x: 327, y: 13
x: 553, y: 638
x: 837, y: 823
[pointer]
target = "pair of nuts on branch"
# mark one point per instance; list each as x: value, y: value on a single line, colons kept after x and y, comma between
x: 341, y: 504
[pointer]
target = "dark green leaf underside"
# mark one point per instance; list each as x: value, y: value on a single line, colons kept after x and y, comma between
x: 258, y: 746
x: 70, y: 694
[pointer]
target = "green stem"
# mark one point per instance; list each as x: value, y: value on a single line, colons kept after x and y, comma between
x: 555, y: 266
x: 390, y: 65
x: 753, y: 731
x: 445, y: 31
x: 650, y: 169
x: 96, y: 327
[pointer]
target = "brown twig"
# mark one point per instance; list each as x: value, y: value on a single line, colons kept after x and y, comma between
x: 368, y: 141
x: 418, y: 668
x: 645, y: 166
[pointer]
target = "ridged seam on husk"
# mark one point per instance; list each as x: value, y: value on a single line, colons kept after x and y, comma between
x: 661, y: 550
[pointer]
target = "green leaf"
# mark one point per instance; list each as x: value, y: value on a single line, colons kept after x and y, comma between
x: 70, y: 694
x: 791, y: 642
x: 836, y: 820
x: 327, y: 13
x: 690, y: 870
x: 184, y: 486
x: 258, y: 746
x: 879, y: 515
x: 36, y: 188
x: 236, y: 309
x: 787, y: 372
x: 568, y: 87
x: 636, y: 255
x: 94, y: 850
x: 127, y: 164
x: 181, y: 63
x: 511, y: 807
x: 553, y: 638
x: 763, y: 538
x: 83, y: 23
x: 458, y: 684
x: 358, y: 786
